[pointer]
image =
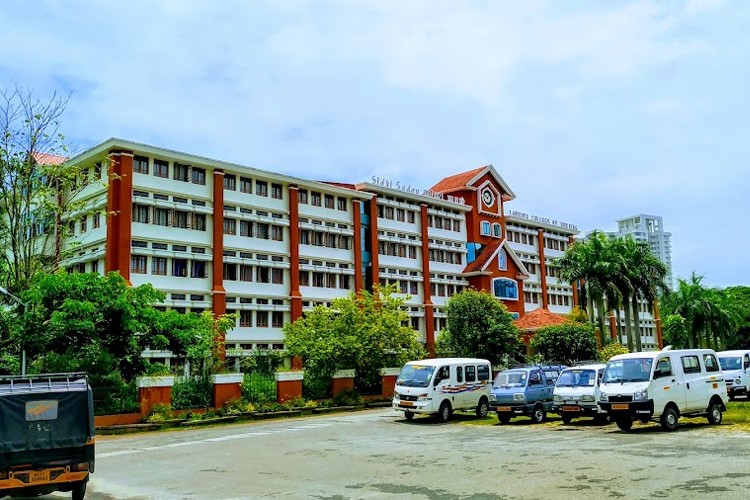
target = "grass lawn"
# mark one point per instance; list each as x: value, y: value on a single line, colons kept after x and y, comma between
x: 737, y: 417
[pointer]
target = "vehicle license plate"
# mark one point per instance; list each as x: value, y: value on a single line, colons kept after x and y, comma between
x: 619, y: 406
x: 38, y: 475
x: 407, y: 403
x: 570, y: 408
x: 503, y: 408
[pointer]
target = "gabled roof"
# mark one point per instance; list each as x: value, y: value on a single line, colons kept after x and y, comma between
x: 48, y: 159
x: 539, y: 318
x: 479, y: 265
x: 468, y: 179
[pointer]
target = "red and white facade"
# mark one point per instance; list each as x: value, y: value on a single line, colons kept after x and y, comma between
x: 224, y: 237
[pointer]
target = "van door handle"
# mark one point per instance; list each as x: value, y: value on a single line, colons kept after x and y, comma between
x: 688, y: 385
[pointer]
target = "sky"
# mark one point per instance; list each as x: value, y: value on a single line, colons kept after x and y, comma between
x: 591, y: 111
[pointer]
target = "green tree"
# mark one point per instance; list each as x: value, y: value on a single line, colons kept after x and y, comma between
x: 612, y: 349
x: 38, y: 191
x: 566, y: 343
x: 479, y: 326
x: 364, y: 331
x: 100, y: 324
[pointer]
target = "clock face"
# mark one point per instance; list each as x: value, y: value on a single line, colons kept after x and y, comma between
x: 488, y: 197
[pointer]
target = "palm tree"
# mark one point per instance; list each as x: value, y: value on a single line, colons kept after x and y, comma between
x: 690, y: 301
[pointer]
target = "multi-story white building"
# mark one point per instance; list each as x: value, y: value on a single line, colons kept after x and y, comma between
x: 650, y: 229
x: 230, y: 238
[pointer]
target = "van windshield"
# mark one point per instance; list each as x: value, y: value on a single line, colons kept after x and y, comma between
x: 577, y: 378
x: 510, y: 379
x: 731, y: 363
x: 628, y: 370
x: 415, y: 375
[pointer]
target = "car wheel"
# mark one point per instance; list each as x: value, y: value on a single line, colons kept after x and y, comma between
x: 669, y: 419
x: 566, y: 419
x: 444, y: 413
x: 79, y: 490
x: 624, y: 423
x: 714, y: 414
x: 483, y: 408
x: 503, y: 419
x: 538, y: 415
x: 408, y: 415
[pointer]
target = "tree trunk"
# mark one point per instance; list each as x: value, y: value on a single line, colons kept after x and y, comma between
x: 637, y: 323
x: 600, y: 319
x: 628, y: 327
x: 590, y: 306
x: 619, y: 326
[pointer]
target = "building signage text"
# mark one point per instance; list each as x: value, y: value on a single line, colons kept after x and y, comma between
x: 408, y: 188
x: 543, y: 220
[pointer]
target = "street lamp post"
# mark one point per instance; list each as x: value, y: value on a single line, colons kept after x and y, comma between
x: 23, y: 311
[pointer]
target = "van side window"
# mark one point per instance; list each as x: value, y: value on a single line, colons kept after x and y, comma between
x: 442, y: 374
x: 690, y: 364
x: 459, y: 374
x: 746, y: 363
x: 471, y: 375
x: 663, y: 368
x: 535, y: 378
x: 483, y: 372
x: 711, y: 364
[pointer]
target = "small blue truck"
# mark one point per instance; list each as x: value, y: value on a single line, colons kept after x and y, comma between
x: 524, y: 391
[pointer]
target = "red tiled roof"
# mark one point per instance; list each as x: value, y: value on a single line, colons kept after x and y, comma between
x: 48, y: 159
x: 456, y: 181
x: 487, y: 253
x: 539, y: 318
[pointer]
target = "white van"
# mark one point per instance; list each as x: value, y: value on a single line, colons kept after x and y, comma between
x: 663, y: 386
x: 439, y: 386
x: 577, y: 391
x: 735, y: 365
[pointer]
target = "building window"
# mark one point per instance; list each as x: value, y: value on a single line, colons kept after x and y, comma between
x: 181, y: 219
x: 497, y: 230
x: 199, y: 222
x: 329, y: 201
x: 180, y: 172
x: 161, y: 168
x: 261, y: 188
x: 230, y: 271
x: 304, y: 278
x: 159, y: 266
x: 246, y: 185
x: 344, y: 282
x: 84, y: 224
x: 263, y: 275
x: 140, y: 165
x: 179, y: 267
x: 277, y: 233
x: 230, y: 182
x: 246, y: 318
x: 502, y: 260
x: 485, y: 228
x: 315, y: 199
x: 138, y: 264
x: 198, y: 269
x: 95, y: 266
x: 230, y: 226
x: 261, y: 318
x: 140, y: 214
x: 263, y: 231
x: 277, y: 276
x: 277, y: 319
x: 504, y: 288
x: 246, y: 273
x: 410, y: 217
x: 96, y: 220
x: 199, y: 176
x: 341, y: 203
x: 161, y: 216
x: 276, y: 192
x: 302, y: 196
x: 457, y: 226
x: 400, y: 215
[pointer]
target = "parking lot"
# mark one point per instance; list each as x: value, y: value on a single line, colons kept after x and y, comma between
x: 378, y: 454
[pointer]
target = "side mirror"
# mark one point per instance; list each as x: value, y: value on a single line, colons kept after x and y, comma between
x: 658, y: 373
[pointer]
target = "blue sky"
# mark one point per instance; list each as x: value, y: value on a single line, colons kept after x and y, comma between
x: 591, y: 111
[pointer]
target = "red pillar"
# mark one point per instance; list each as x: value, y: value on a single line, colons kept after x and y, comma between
x: 119, y: 213
x: 374, y: 256
x: 359, y: 283
x: 429, y: 313
x: 218, y: 294
x: 542, y: 267
x: 294, y: 294
x: 574, y: 285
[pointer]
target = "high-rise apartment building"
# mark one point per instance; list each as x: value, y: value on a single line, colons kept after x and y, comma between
x: 650, y: 229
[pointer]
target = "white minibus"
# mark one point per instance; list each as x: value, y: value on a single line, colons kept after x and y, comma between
x: 438, y: 387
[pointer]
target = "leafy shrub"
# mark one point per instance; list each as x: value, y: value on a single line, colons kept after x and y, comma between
x: 271, y: 407
x: 348, y: 397
x: 155, y: 369
x: 192, y: 393
x: 113, y: 395
x: 160, y: 413
x: 236, y: 407
x: 316, y: 387
x: 259, y: 388
x: 612, y: 350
